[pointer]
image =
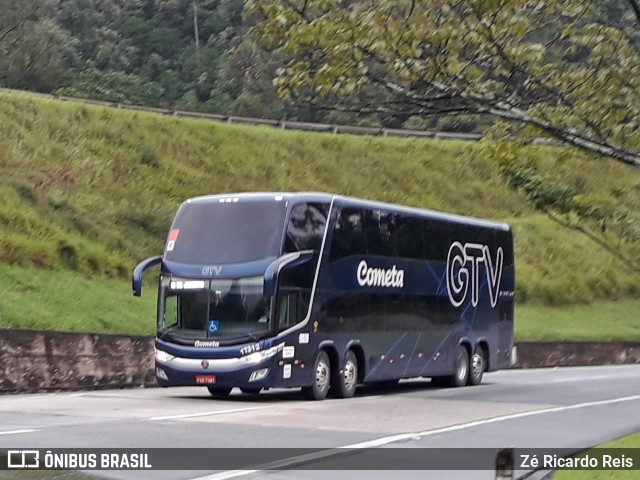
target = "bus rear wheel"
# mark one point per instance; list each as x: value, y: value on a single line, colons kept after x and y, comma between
x: 321, y: 378
x: 477, y: 367
x: 343, y: 383
x: 459, y: 378
x: 219, y: 391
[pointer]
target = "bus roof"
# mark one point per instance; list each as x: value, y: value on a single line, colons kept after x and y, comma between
x: 350, y: 202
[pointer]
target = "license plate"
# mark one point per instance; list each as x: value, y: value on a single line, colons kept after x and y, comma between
x: 205, y: 379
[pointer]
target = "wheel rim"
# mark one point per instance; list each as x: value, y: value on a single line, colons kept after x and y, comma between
x: 477, y: 367
x: 322, y: 375
x: 463, y: 367
x: 350, y: 374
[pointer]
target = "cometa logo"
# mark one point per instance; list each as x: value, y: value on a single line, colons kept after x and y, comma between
x: 380, y: 277
x: 464, y: 263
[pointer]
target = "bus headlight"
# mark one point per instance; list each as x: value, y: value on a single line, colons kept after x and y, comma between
x: 258, y: 374
x: 163, y: 357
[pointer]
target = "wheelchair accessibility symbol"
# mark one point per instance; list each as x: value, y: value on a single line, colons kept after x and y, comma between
x: 214, y: 326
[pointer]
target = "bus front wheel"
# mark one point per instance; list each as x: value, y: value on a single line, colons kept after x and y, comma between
x: 321, y: 378
x: 343, y: 383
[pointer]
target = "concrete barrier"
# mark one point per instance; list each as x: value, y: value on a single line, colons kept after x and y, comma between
x: 32, y: 361
x: 574, y: 354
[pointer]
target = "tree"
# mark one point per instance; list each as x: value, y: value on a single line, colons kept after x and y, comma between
x: 15, y: 15
x: 35, y: 54
x: 567, y: 69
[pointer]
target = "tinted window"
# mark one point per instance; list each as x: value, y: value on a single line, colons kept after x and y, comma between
x: 364, y: 232
x: 505, y: 240
x: 380, y: 232
x: 306, y: 226
x: 436, y: 240
x: 348, y: 234
x: 409, y: 237
x: 294, y: 293
x: 468, y: 234
x: 210, y: 233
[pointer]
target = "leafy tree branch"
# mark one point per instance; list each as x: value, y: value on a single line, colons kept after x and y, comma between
x: 567, y: 70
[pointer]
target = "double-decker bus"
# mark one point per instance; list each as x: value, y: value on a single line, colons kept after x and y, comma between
x: 324, y: 292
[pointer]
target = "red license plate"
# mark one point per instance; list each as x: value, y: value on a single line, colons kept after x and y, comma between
x: 205, y: 379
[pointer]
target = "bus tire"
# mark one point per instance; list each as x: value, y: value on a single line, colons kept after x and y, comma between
x: 459, y: 378
x: 477, y: 367
x: 219, y: 391
x: 343, y: 385
x: 321, y: 378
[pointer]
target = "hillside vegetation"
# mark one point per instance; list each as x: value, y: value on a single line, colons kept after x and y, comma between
x: 93, y: 190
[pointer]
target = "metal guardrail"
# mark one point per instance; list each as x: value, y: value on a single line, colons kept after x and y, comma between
x: 283, y: 124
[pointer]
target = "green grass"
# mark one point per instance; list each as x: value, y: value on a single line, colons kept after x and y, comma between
x: 87, y: 192
x: 68, y: 301
x: 602, y: 321
x: 630, y: 441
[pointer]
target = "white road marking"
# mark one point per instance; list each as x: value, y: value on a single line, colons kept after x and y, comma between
x: 17, y: 432
x: 301, y: 459
x: 206, y: 414
x: 513, y: 416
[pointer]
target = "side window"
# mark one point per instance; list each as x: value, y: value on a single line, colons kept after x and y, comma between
x: 409, y: 237
x: 437, y: 240
x: 292, y: 306
x: 287, y: 310
x: 170, y: 311
x: 294, y: 294
x: 348, y: 235
x: 505, y: 240
x: 306, y: 226
x: 380, y: 230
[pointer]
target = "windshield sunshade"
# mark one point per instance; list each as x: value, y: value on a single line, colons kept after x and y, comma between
x: 223, y: 233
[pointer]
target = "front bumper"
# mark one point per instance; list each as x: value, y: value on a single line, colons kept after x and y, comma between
x: 247, y: 371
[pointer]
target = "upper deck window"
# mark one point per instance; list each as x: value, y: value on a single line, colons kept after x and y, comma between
x: 307, y: 224
x: 223, y: 233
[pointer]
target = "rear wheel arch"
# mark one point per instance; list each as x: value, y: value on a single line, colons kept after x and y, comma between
x: 359, y: 353
x: 484, y: 345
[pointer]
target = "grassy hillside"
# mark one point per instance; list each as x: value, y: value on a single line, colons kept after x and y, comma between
x: 88, y: 191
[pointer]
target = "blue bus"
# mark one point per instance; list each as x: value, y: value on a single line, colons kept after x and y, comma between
x: 324, y: 292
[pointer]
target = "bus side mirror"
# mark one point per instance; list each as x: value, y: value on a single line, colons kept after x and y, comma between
x: 136, y: 278
x: 273, y: 270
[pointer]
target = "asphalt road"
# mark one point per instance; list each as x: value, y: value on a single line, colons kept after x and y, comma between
x: 543, y: 408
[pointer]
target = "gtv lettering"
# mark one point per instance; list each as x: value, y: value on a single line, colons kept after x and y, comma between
x: 463, y: 272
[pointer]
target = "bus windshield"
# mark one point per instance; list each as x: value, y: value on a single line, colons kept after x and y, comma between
x: 223, y: 233
x: 215, y: 309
